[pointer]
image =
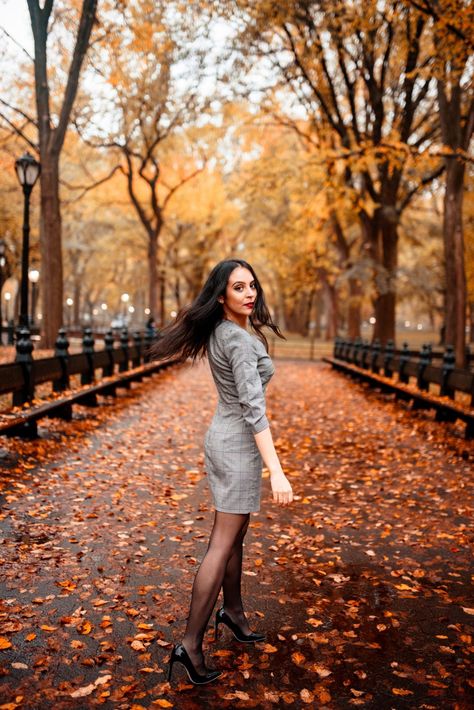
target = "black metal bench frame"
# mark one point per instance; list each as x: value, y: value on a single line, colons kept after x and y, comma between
x: 101, y: 372
x: 364, y: 362
x: 24, y: 423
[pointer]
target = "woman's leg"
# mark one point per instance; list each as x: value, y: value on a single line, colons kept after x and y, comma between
x: 208, y: 581
x: 231, y: 585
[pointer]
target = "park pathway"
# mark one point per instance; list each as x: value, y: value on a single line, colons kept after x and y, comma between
x: 363, y: 585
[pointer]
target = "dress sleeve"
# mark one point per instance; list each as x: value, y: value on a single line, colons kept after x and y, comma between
x: 243, y: 360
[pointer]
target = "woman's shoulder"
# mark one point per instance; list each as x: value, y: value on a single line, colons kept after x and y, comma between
x: 228, y: 332
x: 227, y: 328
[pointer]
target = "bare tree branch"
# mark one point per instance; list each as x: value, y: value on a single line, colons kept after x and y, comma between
x: 20, y: 111
x: 7, y: 34
x: 19, y: 132
x: 93, y: 144
x: 131, y: 191
x: 82, y: 42
x: 288, y: 123
x: 421, y: 184
x: 180, y: 184
x: 350, y: 88
x: 39, y: 24
x: 468, y: 127
x: 86, y: 188
x: 428, y: 9
x: 310, y: 83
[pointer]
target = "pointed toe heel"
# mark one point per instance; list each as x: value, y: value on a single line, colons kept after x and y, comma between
x: 223, y: 618
x: 180, y: 655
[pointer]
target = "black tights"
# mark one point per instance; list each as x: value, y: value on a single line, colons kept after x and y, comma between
x: 221, y: 566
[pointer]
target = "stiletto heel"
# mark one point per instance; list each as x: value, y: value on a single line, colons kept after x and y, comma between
x: 170, y: 666
x: 223, y: 618
x: 180, y: 655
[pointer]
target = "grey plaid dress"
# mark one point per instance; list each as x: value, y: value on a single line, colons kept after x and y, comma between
x: 241, y: 369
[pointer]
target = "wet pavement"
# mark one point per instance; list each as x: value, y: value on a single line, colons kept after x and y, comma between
x: 363, y: 585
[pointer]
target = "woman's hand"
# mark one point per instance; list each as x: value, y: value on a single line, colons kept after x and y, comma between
x: 281, y: 488
x: 282, y: 491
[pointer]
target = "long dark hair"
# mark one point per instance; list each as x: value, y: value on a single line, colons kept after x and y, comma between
x: 188, y: 335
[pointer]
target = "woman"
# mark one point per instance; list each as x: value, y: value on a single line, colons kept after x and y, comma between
x: 237, y: 440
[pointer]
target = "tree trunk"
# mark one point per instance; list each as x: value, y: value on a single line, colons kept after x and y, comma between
x: 51, y: 140
x: 331, y: 307
x: 289, y: 317
x: 353, y: 314
x: 455, y: 286
x: 318, y: 312
x: 456, y: 132
x: 471, y: 322
x: 332, y: 314
x: 309, y: 309
x: 177, y: 293
x: 77, y: 300
x: 297, y: 314
x: 153, y: 275
x: 385, y: 300
x: 162, y: 299
x: 282, y: 320
x: 354, y: 309
x: 51, y: 253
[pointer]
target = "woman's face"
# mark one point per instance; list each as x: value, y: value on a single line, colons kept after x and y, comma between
x: 240, y: 295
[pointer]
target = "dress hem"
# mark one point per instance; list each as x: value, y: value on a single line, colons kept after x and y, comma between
x: 242, y: 512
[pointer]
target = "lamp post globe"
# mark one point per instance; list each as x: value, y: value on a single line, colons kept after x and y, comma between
x: 28, y: 170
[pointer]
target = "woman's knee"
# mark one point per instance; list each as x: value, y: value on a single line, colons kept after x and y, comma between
x: 225, y: 538
x: 221, y: 550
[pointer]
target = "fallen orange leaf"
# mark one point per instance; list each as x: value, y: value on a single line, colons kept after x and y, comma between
x: 85, y: 627
x: 401, y: 691
x: 162, y: 703
x: 298, y: 657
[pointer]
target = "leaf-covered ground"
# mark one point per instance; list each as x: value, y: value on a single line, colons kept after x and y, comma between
x: 363, y: 585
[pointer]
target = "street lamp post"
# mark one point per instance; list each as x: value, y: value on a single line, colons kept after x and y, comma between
x: 69, y: 304
x: 125, y: 297
x: 28, y: 170
x: 10, y: 329
x: 104, y: 307
x: 3, y: 247
x: 8, y: 298
x: 33, y: 276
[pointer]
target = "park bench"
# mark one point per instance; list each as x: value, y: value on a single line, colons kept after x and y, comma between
x: 410, y: 377
x: 21, y: 378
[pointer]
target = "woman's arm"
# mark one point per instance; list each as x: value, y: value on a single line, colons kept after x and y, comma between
x: 281, y: 488
x: 244, y: 363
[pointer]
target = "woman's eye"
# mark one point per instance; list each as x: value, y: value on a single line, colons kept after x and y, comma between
x: 240, y: 288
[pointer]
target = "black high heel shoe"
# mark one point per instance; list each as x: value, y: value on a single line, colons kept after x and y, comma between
x: 180, y: 654
x: 223, y: 618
